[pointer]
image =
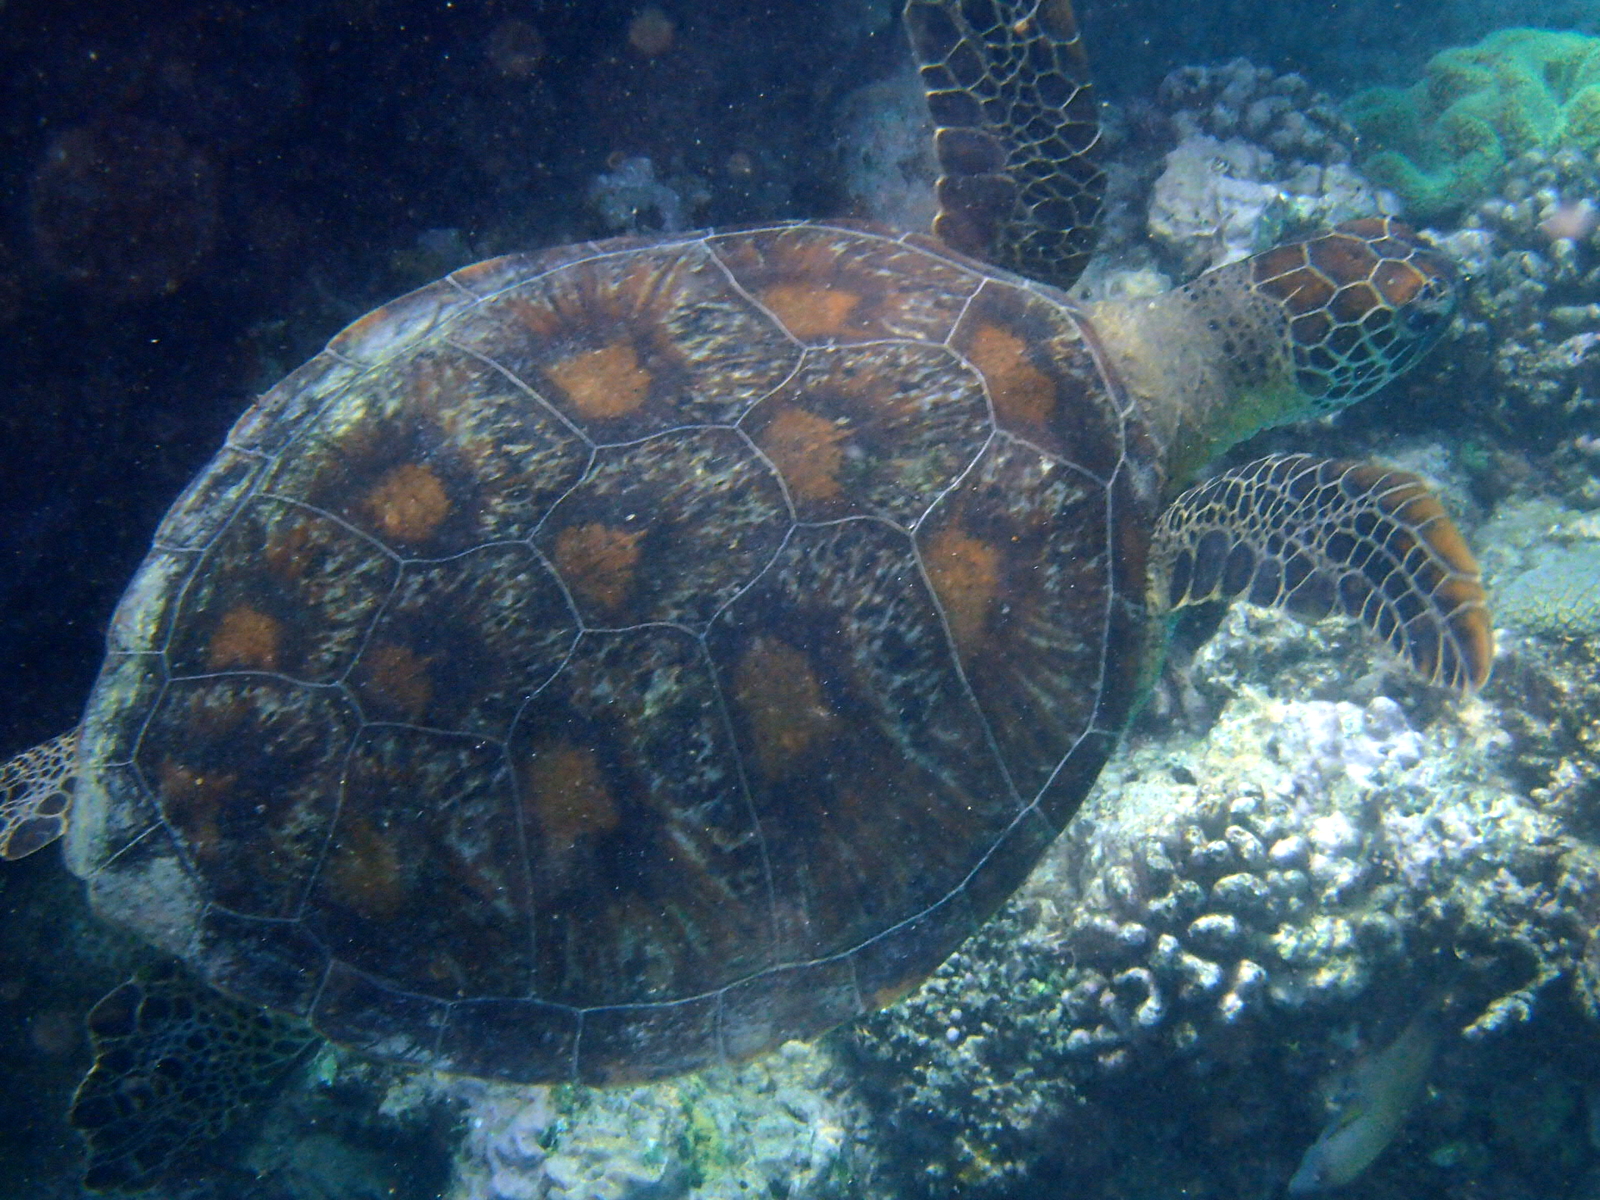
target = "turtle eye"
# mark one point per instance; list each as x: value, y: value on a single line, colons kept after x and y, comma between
x: 1424, y: 320
x: 1434, y: 303
x: 1426, y: 317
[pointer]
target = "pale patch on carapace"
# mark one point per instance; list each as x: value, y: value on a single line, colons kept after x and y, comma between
x: 245, y: 637
x: 965, y: 573
x: 408, y: 503
x: 604, y: 383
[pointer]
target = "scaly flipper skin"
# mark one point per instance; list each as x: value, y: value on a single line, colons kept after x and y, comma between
x: 176, y: 1065
x: 1018, y: 138
x: 1317, y: 537
x: 36, y: 796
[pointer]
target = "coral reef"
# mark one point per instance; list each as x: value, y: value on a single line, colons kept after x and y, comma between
x: 630, y: 199
x: 1282, y: 113
x: 780, y: 1126
x: 1219, y: 912
x: 886, y: 151
x: 1224, y: 161
x: 1560, y: 595
x: 1531, y: 317
x: 1542, y: 561
x: 1441, y: 143
x: 1149, y: 1018
x: 1217, y: 201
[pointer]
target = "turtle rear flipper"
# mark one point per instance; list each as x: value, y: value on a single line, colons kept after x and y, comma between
x: 36, y: 796
x: 176, y: 1065
x: 1316, y: 537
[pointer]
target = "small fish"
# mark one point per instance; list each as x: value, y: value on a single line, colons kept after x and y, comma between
x: 1373, y: 1103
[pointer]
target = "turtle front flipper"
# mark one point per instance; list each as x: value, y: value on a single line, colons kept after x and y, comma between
x: 1316, y: 537
x: 176, y: 1064
x: 36, y: 795
x: 1018, y: 138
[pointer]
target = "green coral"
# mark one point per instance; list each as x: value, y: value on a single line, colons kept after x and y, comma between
x: 1442, y: 142
x: 1559, y: 596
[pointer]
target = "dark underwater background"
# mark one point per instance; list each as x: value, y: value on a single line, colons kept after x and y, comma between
x: 295, y: 158
x: 195, y: 197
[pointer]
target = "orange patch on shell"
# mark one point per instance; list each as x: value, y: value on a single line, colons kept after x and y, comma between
x: 399, y: 677
x: 193, y: 803
x: 605, y: 383
x: 245, y: 637
x: 597, y: 561
x: 408, y: 504
x: 364, y: 871
x: 965, y: 572
x: 1023, y: 394
x: 567, y: 796
x: 807, y: 451
x: 782, y: 699
x: 811, y: 310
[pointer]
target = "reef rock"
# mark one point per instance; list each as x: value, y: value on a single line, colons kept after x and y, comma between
x: 779, y: 1126
x: 1252, y: 157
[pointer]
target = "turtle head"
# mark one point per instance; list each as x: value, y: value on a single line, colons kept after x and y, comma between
x: 1364, y: 301
x: 1305, y: 327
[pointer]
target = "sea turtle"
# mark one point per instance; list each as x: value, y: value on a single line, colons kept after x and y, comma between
x: 613, y: 660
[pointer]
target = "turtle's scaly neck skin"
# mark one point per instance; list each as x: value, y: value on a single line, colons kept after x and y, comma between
x: 1306, y: 327
x: 1172, y: 354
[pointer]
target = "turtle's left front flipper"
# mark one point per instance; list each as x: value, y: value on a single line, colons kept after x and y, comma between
x: 1017, y: 132
x: 1316, y: 537
x: 36, y: 795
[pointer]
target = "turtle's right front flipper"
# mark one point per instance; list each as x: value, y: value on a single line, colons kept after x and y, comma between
x: 1315, y: 537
